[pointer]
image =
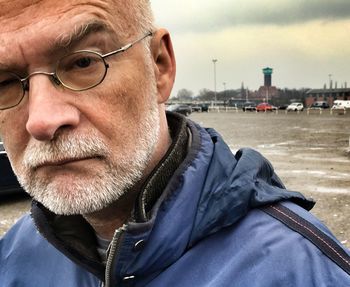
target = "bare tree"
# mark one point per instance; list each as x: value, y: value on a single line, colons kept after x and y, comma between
x: 185, y: 95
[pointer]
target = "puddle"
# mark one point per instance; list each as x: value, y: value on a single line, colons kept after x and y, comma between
x: 281, y: 144
x: 311, y: 172
x: 318, y: 173
x: 317, y: 148
x: 275, y: 152
x: 318, y: 158
x: 324, y: 189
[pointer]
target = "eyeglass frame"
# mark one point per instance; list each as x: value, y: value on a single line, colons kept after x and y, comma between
x: 57, y: 80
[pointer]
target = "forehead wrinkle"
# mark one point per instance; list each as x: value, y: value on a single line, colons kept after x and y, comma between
x: 62, y: 41
x: 81, y: 31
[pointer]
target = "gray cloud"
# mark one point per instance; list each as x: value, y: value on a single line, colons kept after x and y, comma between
x: 297, y: 11
x: 200, y: 16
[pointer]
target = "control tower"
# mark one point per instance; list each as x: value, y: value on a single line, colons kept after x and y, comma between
x: 267, y: 76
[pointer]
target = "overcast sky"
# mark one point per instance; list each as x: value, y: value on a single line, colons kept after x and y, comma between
x: 302, y: 40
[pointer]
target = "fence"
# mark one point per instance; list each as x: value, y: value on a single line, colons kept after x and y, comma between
x: 308, y: 111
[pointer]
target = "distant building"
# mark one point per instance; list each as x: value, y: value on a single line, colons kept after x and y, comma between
x: 327, y: 95
x: 266, y: 92
x: 267, y: 76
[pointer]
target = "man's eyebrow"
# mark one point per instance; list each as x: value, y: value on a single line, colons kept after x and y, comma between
x: 66, y: 41
x: 79, y: 33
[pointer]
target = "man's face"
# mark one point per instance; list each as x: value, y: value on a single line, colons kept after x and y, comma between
x: 76, y: 152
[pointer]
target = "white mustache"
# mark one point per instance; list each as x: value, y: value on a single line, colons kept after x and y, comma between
x: 64, y: 148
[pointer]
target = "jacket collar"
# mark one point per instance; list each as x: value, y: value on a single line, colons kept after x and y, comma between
x: 162, y: 173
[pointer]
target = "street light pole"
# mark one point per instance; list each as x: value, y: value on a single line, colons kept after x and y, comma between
x: 330, y: 81
x: 214, y: 62
x: 267, y: 94
x: 224, y: 84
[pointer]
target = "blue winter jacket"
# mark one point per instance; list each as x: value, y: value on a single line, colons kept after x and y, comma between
x: 212, y: 225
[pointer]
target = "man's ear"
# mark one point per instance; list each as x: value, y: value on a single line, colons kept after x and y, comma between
x: 165, y: 65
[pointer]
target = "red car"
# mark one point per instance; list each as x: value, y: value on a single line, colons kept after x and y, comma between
x: 265, y: 107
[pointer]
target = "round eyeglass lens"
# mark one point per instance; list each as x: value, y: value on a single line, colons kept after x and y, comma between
x: 11, y: 90
x: 81, y: 70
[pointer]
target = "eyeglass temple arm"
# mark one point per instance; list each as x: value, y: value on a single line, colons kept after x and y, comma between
x: 128, y: 46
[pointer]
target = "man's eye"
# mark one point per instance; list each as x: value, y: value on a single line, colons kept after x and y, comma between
x: 83, y: 62
x: 7, y: 83
x: 78, y: 63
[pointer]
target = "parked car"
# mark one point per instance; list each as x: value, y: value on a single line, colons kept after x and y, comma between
x: 200, y: 108
x: 181, y: 109
x: 8, y: 181
x: 249, y: 106
x: 295, y: 107
x: 341, y: 105
x: 265, y: 107
x: 319, y: 105
x: 283, y: 107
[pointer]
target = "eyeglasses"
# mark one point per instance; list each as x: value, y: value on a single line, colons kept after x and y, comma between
x: 78, y: 71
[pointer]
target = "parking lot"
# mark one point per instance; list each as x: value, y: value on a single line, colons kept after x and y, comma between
x: 310, y: 152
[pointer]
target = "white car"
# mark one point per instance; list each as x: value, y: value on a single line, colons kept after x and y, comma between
x: 341, y: 105
x: 295, y: 107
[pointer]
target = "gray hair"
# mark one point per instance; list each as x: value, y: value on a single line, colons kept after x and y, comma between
x: 137, y: 16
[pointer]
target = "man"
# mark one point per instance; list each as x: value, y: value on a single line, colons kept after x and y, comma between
x: 123, y: 193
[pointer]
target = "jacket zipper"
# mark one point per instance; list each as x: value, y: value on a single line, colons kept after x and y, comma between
x: 112, y: 252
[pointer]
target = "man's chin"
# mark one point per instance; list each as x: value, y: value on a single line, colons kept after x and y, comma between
x: 73, y: 201
x: 63, y: 207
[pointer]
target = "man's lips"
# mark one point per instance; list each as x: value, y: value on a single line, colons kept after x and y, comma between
x: 65, y: 161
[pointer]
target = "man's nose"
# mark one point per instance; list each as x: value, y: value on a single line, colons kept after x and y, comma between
x: 48, y: 109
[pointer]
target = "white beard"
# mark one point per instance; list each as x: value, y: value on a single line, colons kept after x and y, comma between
x: 87, y: 194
